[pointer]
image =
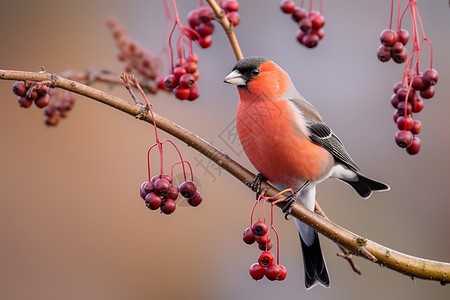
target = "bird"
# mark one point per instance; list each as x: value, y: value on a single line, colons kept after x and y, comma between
x: 286, y: 140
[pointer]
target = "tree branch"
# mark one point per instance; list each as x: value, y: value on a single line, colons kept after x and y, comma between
x: 400, y: 262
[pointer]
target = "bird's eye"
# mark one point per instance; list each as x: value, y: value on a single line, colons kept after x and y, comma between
x: 255, y: 72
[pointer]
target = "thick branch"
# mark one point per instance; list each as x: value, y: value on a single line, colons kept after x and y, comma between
x: 403, y: 263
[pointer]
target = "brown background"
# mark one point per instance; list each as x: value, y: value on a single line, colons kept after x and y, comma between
x: 72, y: 225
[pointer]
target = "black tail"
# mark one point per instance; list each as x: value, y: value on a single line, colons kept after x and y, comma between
x: 314, y: 264
x: 365, y: 186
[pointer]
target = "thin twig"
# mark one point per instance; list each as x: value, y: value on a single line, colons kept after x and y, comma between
x: 400, y: 262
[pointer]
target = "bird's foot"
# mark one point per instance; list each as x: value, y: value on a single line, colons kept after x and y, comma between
x: 256, y: 184
x: 287, y: 209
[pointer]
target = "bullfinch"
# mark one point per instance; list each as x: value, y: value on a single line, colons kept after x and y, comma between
x: 287, y: 142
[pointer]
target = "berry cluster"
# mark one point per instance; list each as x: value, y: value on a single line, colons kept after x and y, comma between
x: 406, y: 99
x: 259, y: 232
x: 137, y: 58
x: 310, y: 23
x: 183, y: 80
x: 159, y: 192
x: 231, y: 8
x: 392, y: 46
x: 406, y: 102
x: 41, y: 95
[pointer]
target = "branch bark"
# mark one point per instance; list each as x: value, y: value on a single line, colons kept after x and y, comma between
x: 355, y: 244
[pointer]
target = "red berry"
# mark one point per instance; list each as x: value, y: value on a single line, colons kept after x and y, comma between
x: 187, y: 80
x: 310, y: 40
x: 319, y: 32
x: 259, y: 228
x: 205, y: 42
x: 24, y: 102
x: 168, y: 206
x: 397, y: 86
x: 430, y: 77
x: 173, y: 192
x: 405, y: 123
x: 167, y: 177
x: 256, y: 271
x: 414, y: 148
x: 394, y: 100
x: 43, y: 90
x: 248, y: 236
x: 19, y: 88
x: 194, y: 18
x: 273, y: 272
x: 146, y: 187
x: 234, y: 18
x: 187, y: 189
x: 266, y: 259
x: 403, y: 36
x: 418, y: 83
x: 206, y: 14
x: 230, y: 5
x: 388, y: 37
x: 305, y: 24
x: 317, y: 21
x: 193, y: 58
x: 417, y: 126
x: 153, y: 201
x: 178, y: 72
x: 287, y: 6
x: 396, y: 116
x: 403, y: 138
x: 298, y: 14
x: 400, y: 57
x: 267, y: 246
x: 161, y: 186
x: 160, y: 83
x: 397, y: 47
x: 300, y: 35
x: 384, y: 53
x: 195, y: 200
x: 32, y: 94
x: 181, y: 93
x: 263, y: 239
x: 401, y: 108
x: 191, y: 67
x: 283, y: 273
x: 171, y: 81
x: 193, y: 92
x: 418, y: 106
x: 427, y: 93
x: 42, y: 101
x: 205, y: 29
x: 52, y: 120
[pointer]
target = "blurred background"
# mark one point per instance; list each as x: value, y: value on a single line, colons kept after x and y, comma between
x: 72, y: 224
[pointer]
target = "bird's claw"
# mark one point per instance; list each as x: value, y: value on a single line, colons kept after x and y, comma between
x: 287, y: 209
x: 256, y: 184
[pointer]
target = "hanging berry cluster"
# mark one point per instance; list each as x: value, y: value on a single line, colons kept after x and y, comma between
x: 405, y: 99
x: 159, y: 192
x: 310, y: 23
x: 56, y: 105
x: 259, y: 232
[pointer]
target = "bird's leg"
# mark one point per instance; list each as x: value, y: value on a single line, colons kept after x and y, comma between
x: 256, y: 184
x: 291, y: 199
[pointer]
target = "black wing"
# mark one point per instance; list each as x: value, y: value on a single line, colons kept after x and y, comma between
x: 322, y: 135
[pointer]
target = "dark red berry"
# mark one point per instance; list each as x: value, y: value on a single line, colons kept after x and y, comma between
x: 161, y: 186
x: 298, y: 14
x: 403, y: 138
x: 24, y: 102
x: 397, y: 86
x: 171, y: 81
x: 317, y: 21
x: 300, y: 35
x: 160, y: 83
x: 310, y: 40
x: 195, y: 200
x: 430, y: 77
x: 287, y: 6
x: 181, y: 93
x: 263, y: 239
x: 396, y: 116
x: 32, y: 94
x: 388, y: 37
x: 146, y: 187
x: 384, y: 53
x: 167, y: 177
x: 405, y: 123
x: 417, y: 126
x: 206, y: 14
x: 153, y: 201
x: 418, y: 106
x: 248, y: 236
x: 403, y: 36
x: 273, y: 272
x: 266, y: 259
x: 305, y: 25
x: 397, y: 47
x: 400, y: 57
x: 234, y: 18
x: 178, y: 72
x: 230, y: 5
x: 259, y: 228
x: 43, y: 90
x: 187, y: 80
x: 319, y: 32
x: 19, y: 88
x: 187, y: 189
x: 42, y: 101
x: 256, y: 271
x: 401, y: 108
x: 267, y: 246
x: 394, y: 100
x: 168, y: 206
x: 194, y: 18
x: 193, y: 92
x: 173, y: 192
x: 427, y: 93
x: 283, y: 273
x: 205, y: 29
x: 414, y: 148
x: 205, y: 42
x: 418, y: 83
